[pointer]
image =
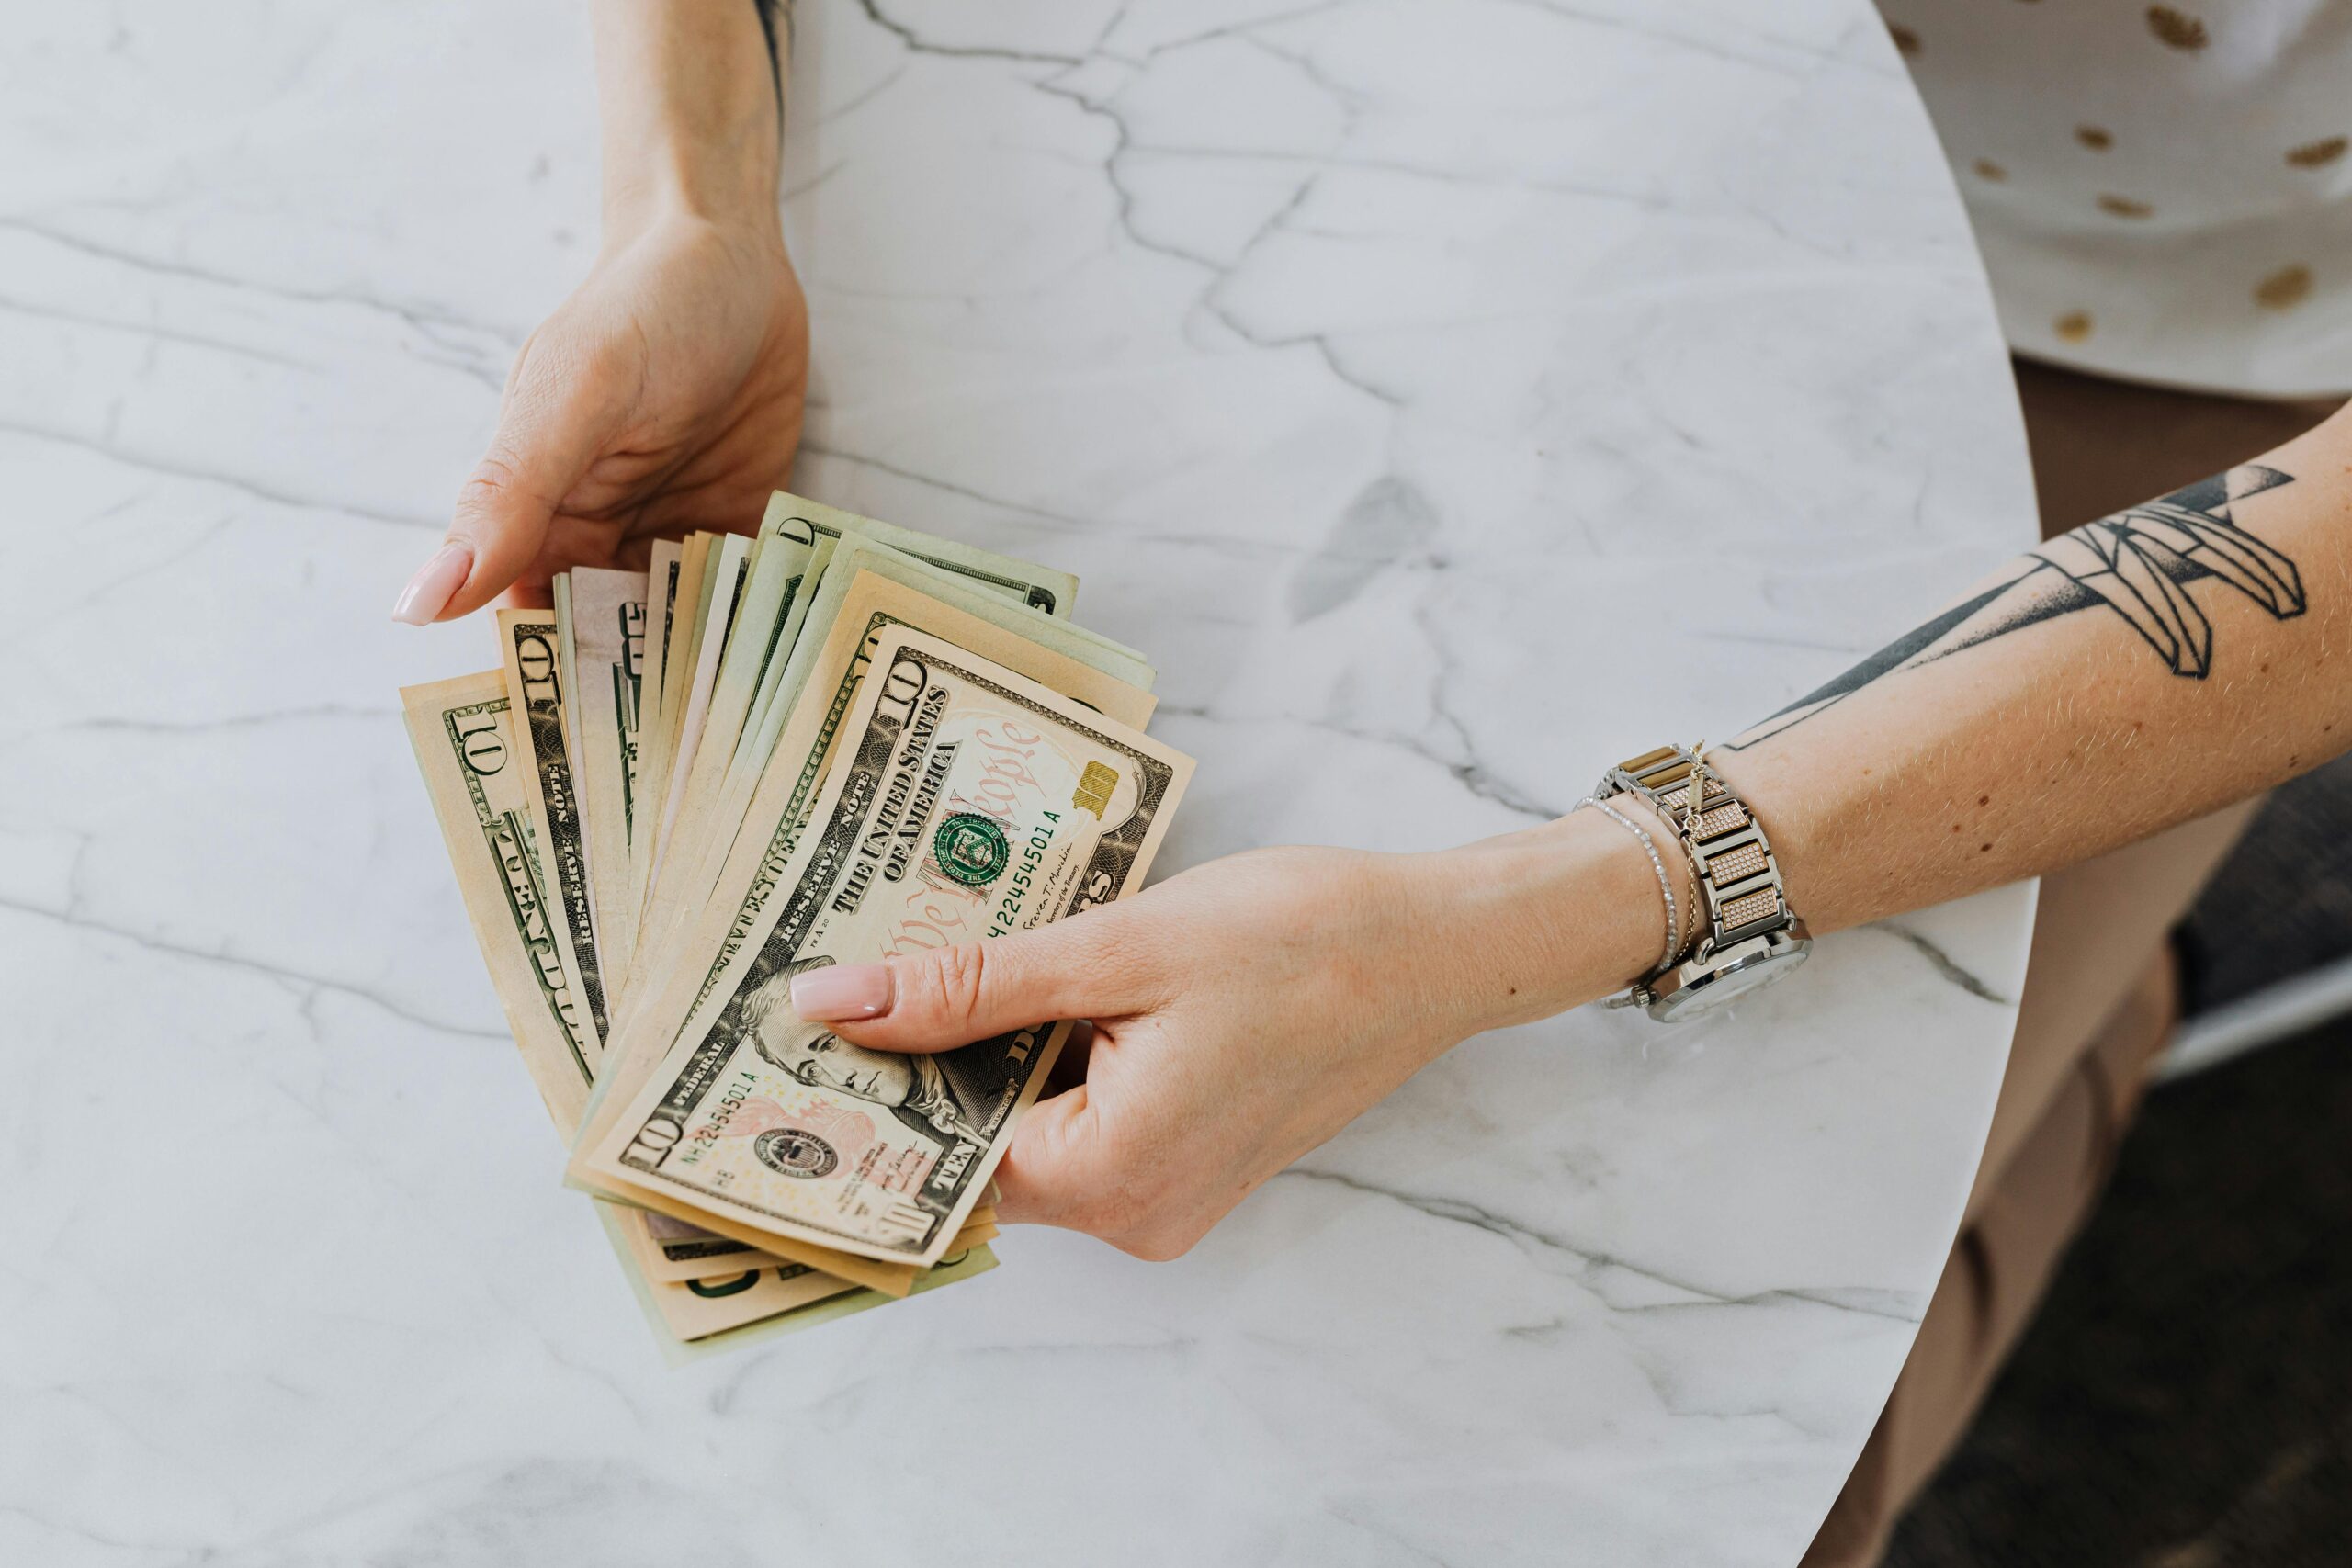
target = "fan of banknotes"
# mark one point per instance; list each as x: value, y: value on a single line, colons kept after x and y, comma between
x: 830, y: 742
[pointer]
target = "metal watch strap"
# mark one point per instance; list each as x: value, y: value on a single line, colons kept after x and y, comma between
x: 1739, y: 881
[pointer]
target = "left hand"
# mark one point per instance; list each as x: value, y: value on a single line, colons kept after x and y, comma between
x: 1243, y: 1013
x: 666, y: 395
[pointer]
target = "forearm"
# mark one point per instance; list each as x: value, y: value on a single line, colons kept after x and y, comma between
x: 2143, y: 671
x: 689, y: 100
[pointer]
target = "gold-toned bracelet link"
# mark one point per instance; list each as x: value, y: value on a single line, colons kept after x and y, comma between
x: 1734, y: 881
x: 1742, y: 932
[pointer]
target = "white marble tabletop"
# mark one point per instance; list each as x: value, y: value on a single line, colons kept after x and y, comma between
x: 1382, y: 365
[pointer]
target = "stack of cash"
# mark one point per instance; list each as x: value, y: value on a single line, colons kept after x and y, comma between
x: 831, y: 742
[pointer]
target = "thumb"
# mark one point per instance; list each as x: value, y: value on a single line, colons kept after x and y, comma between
x: 550, y: 428
x: 946, y: 996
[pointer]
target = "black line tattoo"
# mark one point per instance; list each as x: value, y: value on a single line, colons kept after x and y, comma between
x: 2138, y: 563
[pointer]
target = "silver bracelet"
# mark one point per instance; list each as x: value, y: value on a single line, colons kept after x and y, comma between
x: 1742, y: 932
x: 1673, y: 925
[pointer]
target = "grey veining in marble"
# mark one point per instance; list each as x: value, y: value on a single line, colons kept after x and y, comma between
x: 1382, y: 365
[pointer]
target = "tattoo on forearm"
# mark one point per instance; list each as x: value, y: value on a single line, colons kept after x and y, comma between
x: 2138, y: 563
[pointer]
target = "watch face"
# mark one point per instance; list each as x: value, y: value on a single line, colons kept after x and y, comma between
x: 1729, y: 983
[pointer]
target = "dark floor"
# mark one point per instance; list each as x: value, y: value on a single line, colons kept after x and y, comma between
x: 2282, y: 903
x: 2184, y: 1399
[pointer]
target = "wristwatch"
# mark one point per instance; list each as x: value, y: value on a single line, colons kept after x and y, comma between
x: 1749, y: 936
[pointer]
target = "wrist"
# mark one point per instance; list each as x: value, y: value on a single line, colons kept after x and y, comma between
x: 677, y: 178
x: 689, y: 112
x: 1551, y: 917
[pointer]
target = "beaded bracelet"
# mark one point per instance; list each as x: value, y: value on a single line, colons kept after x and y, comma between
x: 1665, y: 884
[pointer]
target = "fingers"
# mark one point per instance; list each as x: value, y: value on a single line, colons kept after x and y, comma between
x: 435, y: 584
x: 1072, y: 1165
x: 1082, y: 967
x: 555, y: 421
x: 1055, y: 1161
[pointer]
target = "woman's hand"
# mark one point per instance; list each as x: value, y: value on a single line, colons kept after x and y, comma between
x: 1247, y: 1010
x: 664, y: 396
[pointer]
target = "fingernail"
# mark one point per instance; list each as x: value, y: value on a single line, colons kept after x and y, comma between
x: 841, y: 991
x: 429, y: 590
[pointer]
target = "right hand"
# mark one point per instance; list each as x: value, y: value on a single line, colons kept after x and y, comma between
x: 1248, y: 1009
x: 664, y: 396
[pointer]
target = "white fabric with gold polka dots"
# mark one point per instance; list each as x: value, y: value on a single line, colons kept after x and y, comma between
x: 2162, y: 192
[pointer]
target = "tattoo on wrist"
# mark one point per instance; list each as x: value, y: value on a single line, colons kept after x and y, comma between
x: 2138, y: 563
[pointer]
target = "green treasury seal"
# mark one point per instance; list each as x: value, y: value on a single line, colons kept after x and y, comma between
x: 972, y: 849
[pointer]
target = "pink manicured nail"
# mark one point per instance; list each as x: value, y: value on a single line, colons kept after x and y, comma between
x: 841, y: 991
x: 433, y: 583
